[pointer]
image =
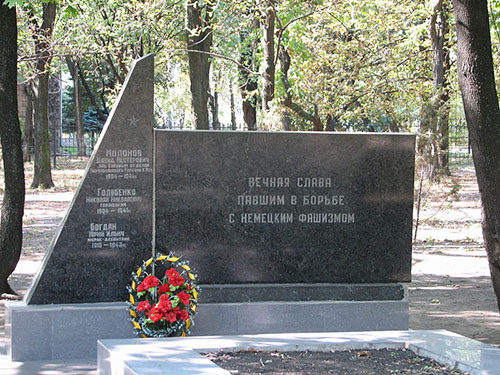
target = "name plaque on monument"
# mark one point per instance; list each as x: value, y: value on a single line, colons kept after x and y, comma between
x: 108, y: 228
x: 287, y: 207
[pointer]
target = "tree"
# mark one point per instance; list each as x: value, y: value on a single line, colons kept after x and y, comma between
x: 477, y: 84
x: 248, y: 82
x: 433, y: 142
x: 269, y: 15
x: 42, y: 176
x: 441, y: 60
x: 199, y: 16
x: 80, y: 128
x: 10, y: 134
x: 288, y: 101
x: 28, y: 122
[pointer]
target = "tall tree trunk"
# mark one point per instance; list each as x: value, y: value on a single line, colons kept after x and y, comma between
x: 55, y: 112
x: 28, y: 123
x: 441, y: 59
x: 100, y: 114
x: 288, y: 102
x: 80, y: 127
x: 433, y: 140
x: 268, y: 61
x: 11, y: 235
x: 477, y: 84
x: 233, y: 110
x: 248, y: 82
x: 199, y: 41
x: 214, y: 108
x: 42, y: 171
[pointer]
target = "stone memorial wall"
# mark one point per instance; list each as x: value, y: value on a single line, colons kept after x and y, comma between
x: 288, y: 207
x: 245, y: 208
x: 288, y: 231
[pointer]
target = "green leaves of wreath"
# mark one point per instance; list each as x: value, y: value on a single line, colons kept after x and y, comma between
x: 163, y: 306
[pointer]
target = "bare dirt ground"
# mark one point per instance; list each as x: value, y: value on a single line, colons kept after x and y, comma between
x: 364, y: 362
x: 451, y: 287
x: 450, y: 290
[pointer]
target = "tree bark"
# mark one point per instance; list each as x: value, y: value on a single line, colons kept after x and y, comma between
x: 100, y: 114
x: 80, y: 127
x: 441, y: 60
x: 214, y: 108
x: 247, y: 81
x: 199, y: 41
x: 479, y: 95
x: 288, y: 102
x: 10, y: 133
x: 233, y: 110
x: 28, y: 124
x: 268, y: 61
x: 42, y: 171
x: 434, y: 130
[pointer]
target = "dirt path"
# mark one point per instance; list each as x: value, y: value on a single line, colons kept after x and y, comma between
x: 451, y: 288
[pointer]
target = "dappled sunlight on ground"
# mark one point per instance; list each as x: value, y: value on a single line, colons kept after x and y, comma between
x: 451, y: 285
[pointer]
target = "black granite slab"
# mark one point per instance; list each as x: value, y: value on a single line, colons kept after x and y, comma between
x: 243, y: 293
x: 108, y: 228
x: 287, y: 207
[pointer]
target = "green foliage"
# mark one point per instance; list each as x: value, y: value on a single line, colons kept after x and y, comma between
x: 12, y: 3
x: 366, y: 64
x: 361, y: 62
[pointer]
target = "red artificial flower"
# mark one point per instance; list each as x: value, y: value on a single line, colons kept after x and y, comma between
x: 164, y: 305
x: 174, y: 278
x: 164, y: 289
x: 183, y: 314
x: 144, y: 305
x: 170, y: 316
x: 171, y: 272
x: 155, y: 309
x: 149, y: 282
x: 184, y: 297
x: 156, y: 317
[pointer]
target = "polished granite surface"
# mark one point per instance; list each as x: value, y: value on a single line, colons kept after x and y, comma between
x: 287, y: 207
x: 107, y: 231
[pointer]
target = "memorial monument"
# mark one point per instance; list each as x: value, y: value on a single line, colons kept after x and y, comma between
x: 289, y: 231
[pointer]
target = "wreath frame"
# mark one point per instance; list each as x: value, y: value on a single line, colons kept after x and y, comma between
x: 138, y: 318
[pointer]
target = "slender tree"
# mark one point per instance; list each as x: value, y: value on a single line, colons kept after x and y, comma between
x: 77, y: 100
x: 268, y: 49
x: 433, y: 142
x: 288, y: 101
x: 199, y: 16
x: 42, y: 176
x: 248, y: 82
x: 10, y: 135
x: 479, y: 95
x: 28, y: 122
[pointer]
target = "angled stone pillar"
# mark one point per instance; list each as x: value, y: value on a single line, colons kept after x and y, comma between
x: 108, y: 228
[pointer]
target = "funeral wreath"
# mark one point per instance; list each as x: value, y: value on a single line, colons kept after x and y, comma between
x: 163, y: 297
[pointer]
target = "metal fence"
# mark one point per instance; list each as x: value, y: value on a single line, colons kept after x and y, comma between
x: 65, y: 144
x: 459, y: 147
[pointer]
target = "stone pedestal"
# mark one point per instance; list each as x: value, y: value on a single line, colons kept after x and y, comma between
x: 71, y: 331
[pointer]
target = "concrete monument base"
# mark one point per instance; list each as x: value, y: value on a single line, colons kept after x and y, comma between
x: 181, y: 356
x: 71, y: 331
